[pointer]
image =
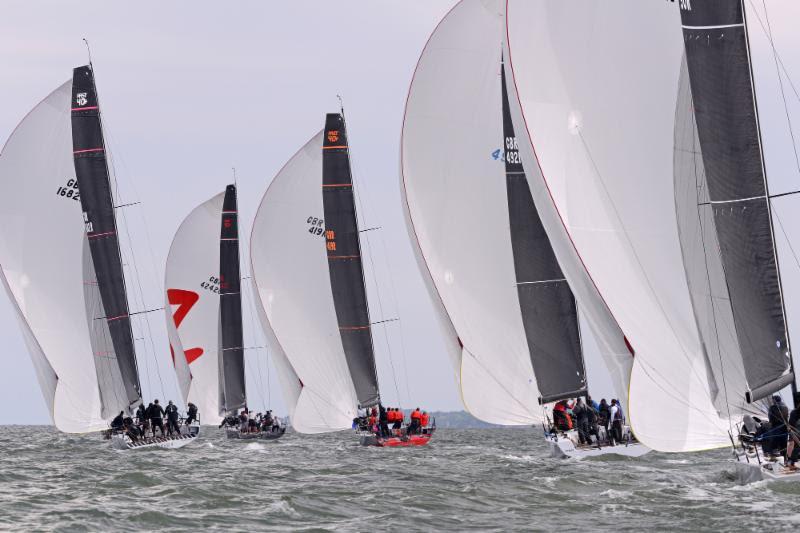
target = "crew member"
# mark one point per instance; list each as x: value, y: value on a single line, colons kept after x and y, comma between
x: 581, y: 412
x: 157, y: 418
x: 424, y: 419
x: 191, y: 413
x: 117, y: 422
x: 172, y: 418
x: 415, y: 416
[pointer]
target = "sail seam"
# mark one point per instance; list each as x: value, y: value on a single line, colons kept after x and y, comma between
x: 714, y: 27
x: 542, y: 281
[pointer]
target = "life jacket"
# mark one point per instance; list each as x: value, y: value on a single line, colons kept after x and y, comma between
x: 373, y: 420
x: 568, y: 420
x: 423, y: 419
x: 393, y: 416
x: 400, y: 416
x: 560, y: 406
x: 415, y: 415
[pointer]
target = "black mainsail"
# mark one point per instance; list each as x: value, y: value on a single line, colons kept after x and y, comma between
x: 231, y: 360
x: 549, y: 312
x: 726, y: 115
x: 344, y: 261
x: 91, y: 169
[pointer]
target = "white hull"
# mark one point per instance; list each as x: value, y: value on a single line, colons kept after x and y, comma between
x: 121, y: 441
x: 562, y: 447
x: 766, y: 471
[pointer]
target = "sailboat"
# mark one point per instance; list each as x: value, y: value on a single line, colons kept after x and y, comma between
x: 306, y: 263
x: 663, y: 171
x: 507, y: 310
x: 63, y: 269
x: 204, y: 312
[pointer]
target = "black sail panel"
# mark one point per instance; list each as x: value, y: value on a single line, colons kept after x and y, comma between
x: 232, y: 379
x: 549, y: 312
x: 717, y: 54
x: 91, y: 170
x: 344, y: 261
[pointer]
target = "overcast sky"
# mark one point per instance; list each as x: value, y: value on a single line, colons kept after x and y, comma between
x: 191, y: 89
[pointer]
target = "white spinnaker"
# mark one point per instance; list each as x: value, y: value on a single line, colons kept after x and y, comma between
x: 290, y: 269
x: 457, y: 202
x: 192, y: 306
x: 41, y: 252
x: 595, y: 87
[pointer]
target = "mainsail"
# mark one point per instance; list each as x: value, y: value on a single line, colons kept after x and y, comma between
x: 291, y: 273
x: 193, y: 306
x: 91, y: 170
x: 83, y: 356
x: 596, y: 132
x: 344, y: 261
x: 733, y: 170
x: 476, y: 231
x: 232, y: 383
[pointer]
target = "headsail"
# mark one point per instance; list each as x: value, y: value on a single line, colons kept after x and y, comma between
x: 232, y: 383
x: 291, y: 273
x: 193, y: 306
x: 91, y: 170
x: 718, y: 61
x: 344, y: 261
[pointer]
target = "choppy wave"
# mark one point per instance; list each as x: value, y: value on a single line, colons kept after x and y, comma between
x: 496, y: 480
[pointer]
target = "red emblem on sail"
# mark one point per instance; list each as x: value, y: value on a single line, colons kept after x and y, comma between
x: 185, y: 300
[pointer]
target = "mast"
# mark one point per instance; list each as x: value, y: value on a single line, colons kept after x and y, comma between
x: 726, y: 112
x: 344, y: 261
x: 231, y: 360
x: 549, y: 312
x: 91, y: 169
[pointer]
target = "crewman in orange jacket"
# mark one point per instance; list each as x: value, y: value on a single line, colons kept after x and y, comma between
x: 415, y: 420
x: 424, y: 419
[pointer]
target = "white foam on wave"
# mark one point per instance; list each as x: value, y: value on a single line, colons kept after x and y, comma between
x: 254, y: 446
x: 616, y: 494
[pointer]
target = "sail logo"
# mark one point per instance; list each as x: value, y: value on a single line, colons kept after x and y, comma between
x: 333, y: 136
x: 185, y: 300
x: 88, y: 223
x: 81, y: 99
x: 685, y: 5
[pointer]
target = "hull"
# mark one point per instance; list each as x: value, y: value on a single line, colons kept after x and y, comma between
x: 121, y: 441
x: 397, y: 442
x: 261, y: 435
x: 564, y: 447
x: 766, y: 471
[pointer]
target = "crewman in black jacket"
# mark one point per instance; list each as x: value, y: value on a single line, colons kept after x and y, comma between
x: 156, y: 417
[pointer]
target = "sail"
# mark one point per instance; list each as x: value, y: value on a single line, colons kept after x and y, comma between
x: 91, y: 170
x: 344, y: 261
x: 718, y: 62
x: 193, y: 306
x: 473, y: 227
x: 232, y: 393
x: 595, y: 124
x: 548, y: 307
x: 42, y: 258
x: 290, y: 271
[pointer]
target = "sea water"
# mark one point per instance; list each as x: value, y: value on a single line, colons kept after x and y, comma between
x: 496, y: 480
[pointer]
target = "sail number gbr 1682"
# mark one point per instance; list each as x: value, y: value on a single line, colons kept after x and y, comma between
x: 70, y: 191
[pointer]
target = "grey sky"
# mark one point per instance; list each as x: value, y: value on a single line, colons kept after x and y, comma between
x: 190, y: 89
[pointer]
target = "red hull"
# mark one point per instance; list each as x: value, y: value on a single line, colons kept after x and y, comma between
x: 415, y: 440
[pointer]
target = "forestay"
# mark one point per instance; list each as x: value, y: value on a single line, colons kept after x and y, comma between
x: 193, y: 307
x: 592, y: 93
x: 290, y: 270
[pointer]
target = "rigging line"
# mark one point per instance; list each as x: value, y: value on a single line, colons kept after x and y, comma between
x: 256, y: 340
x: 126, y: 205
x: 775, y: 50
x: 357, y: 195
x: 511, y: 395
x: 780, y: 83
x: 112, y: 164
x: 786, y: 236
x: 636, y: 256
x: 708, y: 273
